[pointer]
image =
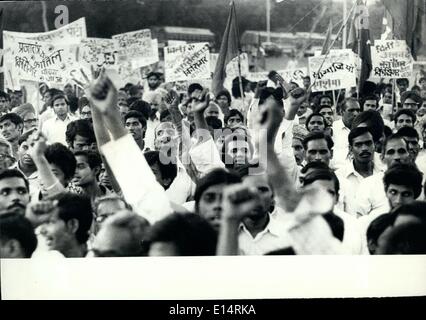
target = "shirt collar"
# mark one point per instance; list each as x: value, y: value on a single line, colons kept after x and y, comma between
x: 272, y: 227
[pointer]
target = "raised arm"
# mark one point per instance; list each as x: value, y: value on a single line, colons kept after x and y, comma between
x: 51, y: 184
x: 284, y: 187
x: 138, y: 183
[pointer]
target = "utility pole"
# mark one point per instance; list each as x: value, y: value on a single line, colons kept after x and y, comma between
x: 268, y: 20
x: 344, y: 28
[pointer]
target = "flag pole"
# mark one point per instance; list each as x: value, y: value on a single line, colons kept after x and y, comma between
x: 240, y: 80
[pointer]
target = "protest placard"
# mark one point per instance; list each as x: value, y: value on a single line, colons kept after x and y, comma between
x: 187, y: 62
x: 39, y: 61
x: 391, y: 59
x: 99, y: 53
x: 67, y: 37
x: 337, y: 72
x: 134, y: 46
x: 70, y: 33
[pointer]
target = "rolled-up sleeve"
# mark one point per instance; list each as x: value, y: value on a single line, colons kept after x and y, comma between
x: 137, y: 182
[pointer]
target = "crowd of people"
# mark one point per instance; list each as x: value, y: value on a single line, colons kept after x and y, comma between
x: 274, y: 170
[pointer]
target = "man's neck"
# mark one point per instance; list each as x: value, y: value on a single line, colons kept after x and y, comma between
x: 140, y: 143
x: 76, y: 250
x: 92, y: 190
x: 27, y: 170
x: 365, y: 169
x: 255, y: 226
x: 63, y: 117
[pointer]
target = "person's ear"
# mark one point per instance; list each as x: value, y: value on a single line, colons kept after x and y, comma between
x: 72, y: 225
x: 12, y: 249
x: 97, y: 171
x: 20, y: 127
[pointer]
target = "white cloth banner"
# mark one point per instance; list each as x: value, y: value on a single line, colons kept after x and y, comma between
x: 391, y: 59
x: 337, y: 72
x: 187, y: 62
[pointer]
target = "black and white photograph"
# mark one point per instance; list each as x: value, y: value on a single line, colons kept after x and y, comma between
x: 212, y: 149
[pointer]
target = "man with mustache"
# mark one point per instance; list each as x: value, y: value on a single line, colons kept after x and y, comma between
x: 371, y: 197
x: 361, y: 146
x: 14, y: 191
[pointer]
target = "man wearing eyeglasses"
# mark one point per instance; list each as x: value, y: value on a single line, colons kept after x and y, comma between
x: 411, y: 100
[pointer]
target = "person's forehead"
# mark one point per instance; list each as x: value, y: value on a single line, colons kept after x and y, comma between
x: 317, y: 144
x: 316, y: 118
x: 411, y: 139
x: 352, y: 105
x: 29, y: 115
x: 404, y: 117
x: 212, y: 107
x: 326, y: 110
x: 216, y: 188
x: 85, y: 108
x: 81, y: 159
x: 364, y: 137
x: 396, y: 144
x: 400, y: 188
x: 369, y: 101
x: 234, y: 117
x: 12, y: 182
x: 409, y: 100
x: 164, y: 126
x: 59, y: 101
x: 132, y: 119
x: 6, y: 122
x: 296, y: 142
x: 80, y: 139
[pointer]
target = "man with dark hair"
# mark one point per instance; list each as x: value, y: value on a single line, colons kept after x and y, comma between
x: 412, y: 137
x: 361, y: 146
x: 402, y: 84
x: 234, y: 118
x: 341, y: 129
x: 85, y: 109
x: 315, y: 122
x: 87, y: 172
x: 80, y: 135
x: 181, y: 235
x: 136, y: 92
x: 25, y: 163
x: 325, y: 100
x: 54, y: 128
x: 403, y: 184
x: 68, y: 226
x: 136, y: 123
x: 406, y: 233
x: 306, y: 82
x: 4, y: 102
x: 14, y: 191
x: 371, y: 198
x: 154, y: 81
x: 164, y: 173
x: 195, y: 90
x: 318, y: 147
x: 208, y: 194
x: 404, y: 118
x: 11, y: 126
x: 411, y: 100
x: 17, y: 237
x: 370, y: 102
x: 143, y: 107
x: 223, y: 99
x: 328, y: 114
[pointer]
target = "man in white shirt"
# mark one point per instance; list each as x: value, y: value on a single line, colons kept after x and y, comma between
x: 136, y: 123
x: 54, y: 128
x: 341, y: 129
x: 371, y: 197
x: 361, y: 145
x: 154, y: 81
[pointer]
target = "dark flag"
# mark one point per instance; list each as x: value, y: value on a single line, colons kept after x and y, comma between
x: 359, y: 41
x: 229, y: 49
